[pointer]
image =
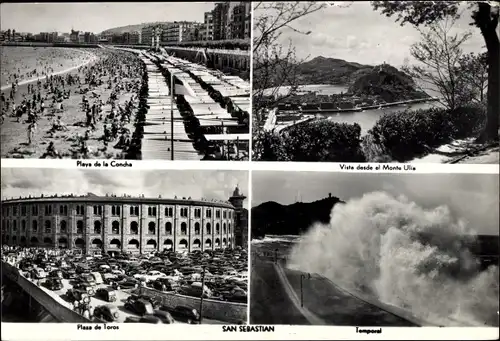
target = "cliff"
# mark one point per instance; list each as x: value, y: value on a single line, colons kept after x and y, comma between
x: 273, y: 218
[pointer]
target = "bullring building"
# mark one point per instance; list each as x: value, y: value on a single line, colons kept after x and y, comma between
x: 110, y: 224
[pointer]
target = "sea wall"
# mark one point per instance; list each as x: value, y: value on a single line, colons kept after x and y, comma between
x: 51, y: 304
x: 218, y: 310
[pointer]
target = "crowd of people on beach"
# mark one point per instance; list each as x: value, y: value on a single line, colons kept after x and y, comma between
x: 21, y: 64
x: 116, y: 72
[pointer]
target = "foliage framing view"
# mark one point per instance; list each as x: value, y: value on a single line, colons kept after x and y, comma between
x: 275, y: 65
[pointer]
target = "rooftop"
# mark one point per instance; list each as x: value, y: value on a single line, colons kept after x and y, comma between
x: 91, y: 197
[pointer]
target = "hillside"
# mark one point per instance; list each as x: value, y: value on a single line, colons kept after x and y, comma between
x: 273, y: 218
x: 321, y: 70
x: 386, y: 82
x: 128, y: 28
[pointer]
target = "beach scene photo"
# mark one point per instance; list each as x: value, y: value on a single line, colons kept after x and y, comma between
x: 352, y: 249
x: 375, y: 81
x: 125, y: 81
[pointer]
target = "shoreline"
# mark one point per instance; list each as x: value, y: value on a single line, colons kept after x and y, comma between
x: 93, y: 58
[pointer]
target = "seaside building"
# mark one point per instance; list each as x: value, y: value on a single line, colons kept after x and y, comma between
x: 109, y: 224
x: 132, y: 38
x: 151, y: 33
x: 207, y: 33
x: 90, y: 38
x: 231, y: 20
x: 181, y: 31
x: 77, y: 37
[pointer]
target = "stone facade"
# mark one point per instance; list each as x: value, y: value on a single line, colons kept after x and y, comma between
x: 96, y: 224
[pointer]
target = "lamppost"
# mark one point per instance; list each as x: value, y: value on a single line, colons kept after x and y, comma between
x: 302, y: 277
x: 172, y: 88
x: 202, y: 293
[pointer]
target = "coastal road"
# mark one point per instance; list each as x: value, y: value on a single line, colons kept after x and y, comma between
x: 275, y: 299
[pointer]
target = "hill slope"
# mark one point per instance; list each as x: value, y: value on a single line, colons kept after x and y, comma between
x: 386, y: 82
x: 321, y: 70
x: 273, y: 218
x: 129, y: 28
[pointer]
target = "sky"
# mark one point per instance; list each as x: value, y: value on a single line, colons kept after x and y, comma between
x: 357, y: 33
x: 95, y: 17
x: 197, y: 184
x: 470, y: 196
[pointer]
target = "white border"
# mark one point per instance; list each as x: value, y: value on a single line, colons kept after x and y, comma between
x: 128, y: 331
x: 420, y: 168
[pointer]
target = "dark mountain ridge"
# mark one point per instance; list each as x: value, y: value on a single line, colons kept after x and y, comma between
x: 273, y: 218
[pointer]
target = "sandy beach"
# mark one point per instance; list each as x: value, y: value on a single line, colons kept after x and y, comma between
x: 110, y: 79
x: 25, y: 64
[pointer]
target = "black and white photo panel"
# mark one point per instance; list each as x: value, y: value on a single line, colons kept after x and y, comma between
x: 376, y: 81
x: 137, y: 81
x: 87, y: 246
x: 374, y: 249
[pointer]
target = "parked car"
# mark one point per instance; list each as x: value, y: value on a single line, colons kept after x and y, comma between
x: 144, y: 319
x: 56, y: 273
x: 140, y: 307
x: 185, y: 314
x: 106, y: 294
x: 150, y: 276
x: 154, y: 302
x: 126, y: 283
x: 53, y: 283
x: 164, y: 316
x: 107, y: 312
x: 69, y: 274
x: 39, y: 273
x: 76, y: 294
x: 87, y: 278
x: 89, y: 289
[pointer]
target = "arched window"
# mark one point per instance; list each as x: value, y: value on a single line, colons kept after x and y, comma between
x: 197, y: 244
x: 229, y: 228
x: 79, y: 243
x: 151, y: 244
x: 208, y: 243
x: 63, y: 226
x: 168, y: 227
x: 224, y: 228
x: 97, y: 227
x: 97, y: 243
x: 217, y: 228
x: 134, y: 228
x: 34, y: 240
x: 151, y: 228
x: 209, y: 228
x: 217, y: 242
x: 79, y: 226
x: 115, y: 227
x: 183, y: 244
x: 168, y: 245
x: 47, y: 241
x: 48, y: 226
x: 115, y: 244
x: 196, y: 228
x: 183, y: 229
x: 34, y: 226
x: 133, y: 243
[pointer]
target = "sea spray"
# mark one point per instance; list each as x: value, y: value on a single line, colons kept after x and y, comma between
x: 394, y: 251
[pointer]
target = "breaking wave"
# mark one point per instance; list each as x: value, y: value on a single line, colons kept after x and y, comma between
x: 398, y: 253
